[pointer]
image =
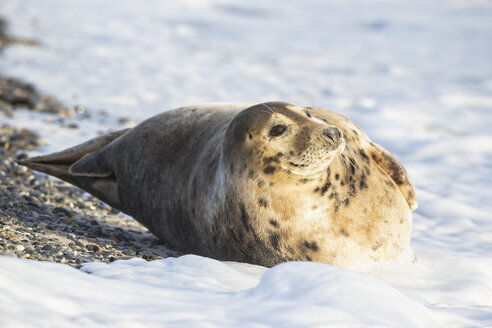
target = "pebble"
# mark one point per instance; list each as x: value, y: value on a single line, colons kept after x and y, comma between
x: 92, y: 247
x: 47, y: 248
x: 46, y: 220
x: 49, y: 220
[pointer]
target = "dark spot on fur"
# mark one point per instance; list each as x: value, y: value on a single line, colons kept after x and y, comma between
x: 269, y: 160
x: 274, y: 223
x: 250, y: 136
x: 314, y: 207
x: 344, y: 232
x: 214, y: 239
x: 251, y: 174
x: 337, y: 205
x: 309, y: 258
x: 308, y: 114
x: 316, y: 189
x: 291, y: 153
x: 363, y: 185
x: 346, y: 201
x: 367, y: 171
x: 352, y: 167
x: 232, y: 167
x: 325, y: 187
x: 364, y: 155
x: 333, y: 195
x: 311, y: 245
x: 377, y: 244
x: 303, y: 139
x: 275, y: 240
x: 304, y: 180
x: 263, y: 202
x: 245, y: 218
x: 337, y: 176
x: 269, y: 169
x: 396, y: 171
x: 261, y: 183
x: 351, y: 189
x: 342, y: 183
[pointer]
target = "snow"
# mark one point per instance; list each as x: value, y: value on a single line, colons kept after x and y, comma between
x: 193, y: 291
x: 415, y: 75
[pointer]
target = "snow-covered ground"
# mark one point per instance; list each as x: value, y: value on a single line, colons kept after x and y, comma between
x: 415, y: 75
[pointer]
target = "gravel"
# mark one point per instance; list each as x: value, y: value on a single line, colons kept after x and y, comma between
x: 42, y: 218
x: 45, y: 219
x: 15, y: 93
x: 6, y: 39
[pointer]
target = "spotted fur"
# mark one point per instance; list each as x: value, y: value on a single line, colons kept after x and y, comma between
x: 215, y: 180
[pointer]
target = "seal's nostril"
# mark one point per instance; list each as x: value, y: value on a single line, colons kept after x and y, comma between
x: 331, y: 134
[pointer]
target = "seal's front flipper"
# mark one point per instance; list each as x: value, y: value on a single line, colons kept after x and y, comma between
x: 85, y: 166
x: 389, y: 164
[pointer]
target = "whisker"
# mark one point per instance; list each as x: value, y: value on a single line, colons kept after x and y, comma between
x: 268, y: 108
x: 264, y: 111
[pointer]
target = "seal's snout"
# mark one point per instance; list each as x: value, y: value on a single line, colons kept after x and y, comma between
x: 332, y: 134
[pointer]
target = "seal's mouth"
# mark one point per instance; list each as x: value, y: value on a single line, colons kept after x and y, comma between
x: 313, y: 165
x: 297, y: 165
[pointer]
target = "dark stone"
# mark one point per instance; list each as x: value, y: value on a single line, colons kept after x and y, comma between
x: 92, y: 247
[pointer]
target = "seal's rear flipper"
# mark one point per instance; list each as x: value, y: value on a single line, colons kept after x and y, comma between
x: 84, y: 165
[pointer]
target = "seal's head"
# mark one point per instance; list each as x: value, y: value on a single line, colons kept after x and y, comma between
x: 282, y: 138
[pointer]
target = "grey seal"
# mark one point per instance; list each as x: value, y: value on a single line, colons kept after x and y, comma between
x: 259, y: 183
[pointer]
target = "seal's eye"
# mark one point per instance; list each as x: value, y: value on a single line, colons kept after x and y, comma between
x: 277, y: 130
x: 308, y: 114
